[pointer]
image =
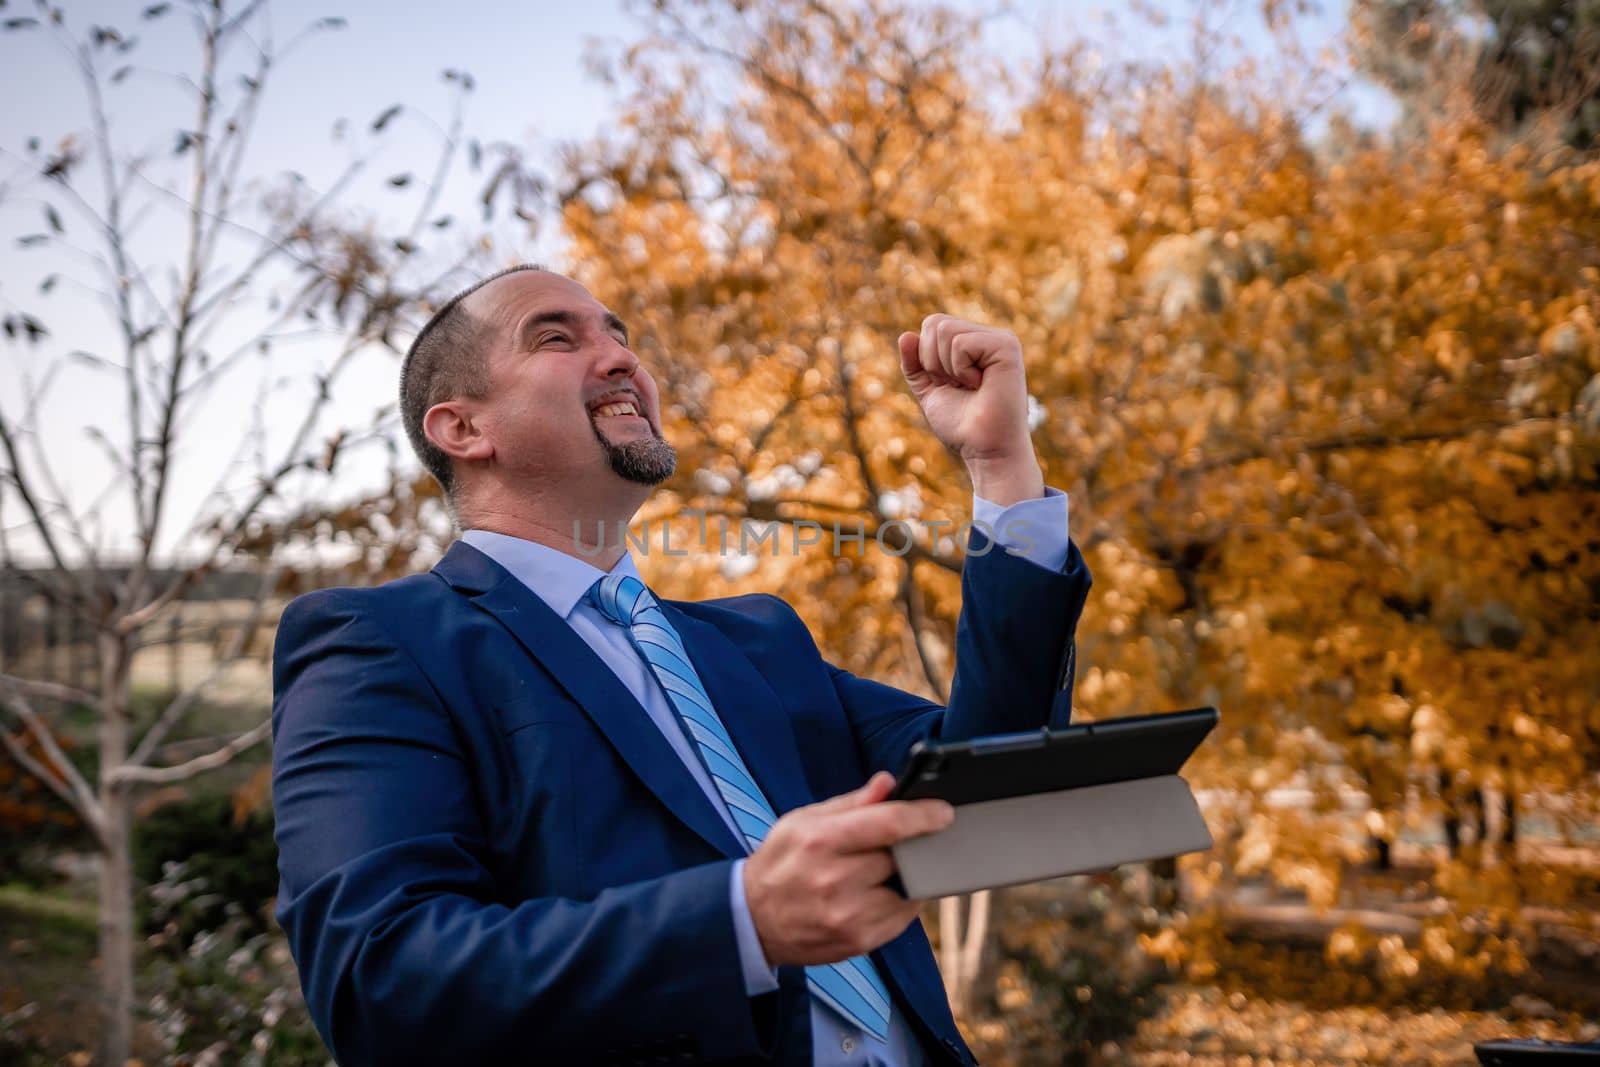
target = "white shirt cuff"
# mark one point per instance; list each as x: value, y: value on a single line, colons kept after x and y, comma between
x: 1036, y: 530
x: 758, y: 976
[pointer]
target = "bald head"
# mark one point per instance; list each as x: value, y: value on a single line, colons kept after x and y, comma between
x: 449, y: 359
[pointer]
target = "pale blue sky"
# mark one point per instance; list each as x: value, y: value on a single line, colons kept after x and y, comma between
x: 533, y: 90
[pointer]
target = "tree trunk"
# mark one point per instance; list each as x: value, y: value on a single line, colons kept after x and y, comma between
x: 116, y: 933
x: 972, y: 945
x: 1451, y: 817
x: 1166, y: 888
x: 961, y: 944
x: 950, y: 951
x: 116, y: 876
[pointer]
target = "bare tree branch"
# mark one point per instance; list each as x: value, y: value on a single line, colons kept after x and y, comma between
x: 797, y: 94
x: 124, y: 271
x: 95, y: 581
x: 65, y: 694
x: 193, y: 272
x: 41, y: 521
x: 294, y: 456
x: 1337, y: 443
x: 916, y: 617
x: 53, y: 782
x: 127, y: 774
x: 62, y: 777
x: 452, y: 143
x: 182, y: 704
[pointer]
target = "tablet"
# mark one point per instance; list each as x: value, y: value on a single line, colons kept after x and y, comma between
x: 1048, y: 761
x: 1536, y: 1052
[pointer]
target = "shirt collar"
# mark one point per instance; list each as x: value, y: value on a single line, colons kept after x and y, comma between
x: 560, y: 580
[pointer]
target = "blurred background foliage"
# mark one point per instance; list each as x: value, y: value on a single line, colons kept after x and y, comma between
x: 1327, y: 403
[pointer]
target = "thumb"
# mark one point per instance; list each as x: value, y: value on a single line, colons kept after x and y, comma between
x: 910, y: 364
x: 876, y: 789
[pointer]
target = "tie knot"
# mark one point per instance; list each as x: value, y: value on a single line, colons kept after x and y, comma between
x: 620, y: 598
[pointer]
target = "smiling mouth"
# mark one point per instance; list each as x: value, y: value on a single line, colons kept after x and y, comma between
x: 617, y: 407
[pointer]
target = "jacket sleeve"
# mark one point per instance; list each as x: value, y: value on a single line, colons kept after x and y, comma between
x: 408, y: 952
x: 1015, y: 660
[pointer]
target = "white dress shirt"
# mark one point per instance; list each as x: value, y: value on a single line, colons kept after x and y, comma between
x: 1033, y: 529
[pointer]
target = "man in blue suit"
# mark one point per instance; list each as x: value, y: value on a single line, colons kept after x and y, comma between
x: 529, y: 814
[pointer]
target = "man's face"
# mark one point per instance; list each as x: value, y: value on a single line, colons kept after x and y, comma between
x: 568, y: 398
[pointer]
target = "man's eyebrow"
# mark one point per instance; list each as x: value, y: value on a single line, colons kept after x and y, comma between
x: 616, y: 325
x: 572, y: 321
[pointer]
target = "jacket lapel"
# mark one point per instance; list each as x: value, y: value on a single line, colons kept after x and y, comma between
x: 748, y: 707
x: 592, y: 686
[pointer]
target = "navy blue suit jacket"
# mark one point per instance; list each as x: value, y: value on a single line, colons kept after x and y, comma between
x: 488, y: 854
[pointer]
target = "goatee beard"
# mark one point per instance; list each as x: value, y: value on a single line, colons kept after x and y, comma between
x: 650, y: 461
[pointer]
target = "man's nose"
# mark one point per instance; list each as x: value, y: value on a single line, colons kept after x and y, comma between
x: 618, y: 361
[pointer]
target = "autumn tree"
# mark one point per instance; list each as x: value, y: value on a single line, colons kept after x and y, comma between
x: 151, y: 230
x: 1327, y: 412
x: 1515, y: 64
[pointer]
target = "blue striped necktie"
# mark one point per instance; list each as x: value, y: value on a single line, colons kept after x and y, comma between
x: 851, y: 987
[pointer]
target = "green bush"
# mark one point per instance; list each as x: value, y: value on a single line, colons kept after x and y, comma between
x: 1075, y: 983
x: 18, y: 1048
x: 226, y: 994
x: 235, y: 859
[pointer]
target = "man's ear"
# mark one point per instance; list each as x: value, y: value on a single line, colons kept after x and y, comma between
x: 454, y: 429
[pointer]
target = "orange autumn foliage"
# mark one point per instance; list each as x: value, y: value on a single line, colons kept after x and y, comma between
x: 1328, y: 409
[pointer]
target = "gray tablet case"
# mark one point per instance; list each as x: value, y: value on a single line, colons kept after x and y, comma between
x: 1045, y: 835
